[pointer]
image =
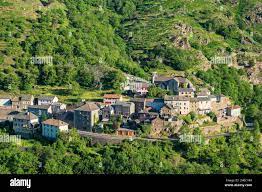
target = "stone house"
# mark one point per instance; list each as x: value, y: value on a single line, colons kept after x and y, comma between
x: 42, y: 111
x: 140, y: 104
x: 25, y: 124
x: 58, y: 107
x: 22, y: 102
x: 7, y: 114
x: 194, y: 105
x: 186, y: 92
x: 66, y: 116
x: 86, y: 116
x: 124, y: 108
x: 107, y: 112
x: 145, y: 116
x: 169, y: 111
x: 172, y: 83
x: 204, y: 92
x: 136, y: 85
x: 181, y: 103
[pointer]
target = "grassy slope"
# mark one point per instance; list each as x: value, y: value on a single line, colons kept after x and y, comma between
x: 155, y: 21
x: 24, y: 11
x: 152, y: 26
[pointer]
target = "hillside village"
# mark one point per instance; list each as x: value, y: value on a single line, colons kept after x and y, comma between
x: 44, y: 115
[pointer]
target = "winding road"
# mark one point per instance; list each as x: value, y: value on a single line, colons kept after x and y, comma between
x: 101, y: 137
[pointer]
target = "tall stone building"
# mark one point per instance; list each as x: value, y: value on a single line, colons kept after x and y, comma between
x: 86, y: 116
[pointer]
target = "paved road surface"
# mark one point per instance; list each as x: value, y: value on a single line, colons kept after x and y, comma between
x: 117, y: 139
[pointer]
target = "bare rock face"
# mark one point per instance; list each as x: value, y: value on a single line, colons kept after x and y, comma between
x: 246, y: 59
x: 255, y: 74
x: 205, y: 64
x: 181, y: 35
x: 233, y: 2
x: 246, y: 40
x: 183, y: 29
x: 180, y: 42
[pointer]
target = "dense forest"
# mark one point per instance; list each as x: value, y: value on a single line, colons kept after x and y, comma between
x: 74, y: 155
x: 94, y: 41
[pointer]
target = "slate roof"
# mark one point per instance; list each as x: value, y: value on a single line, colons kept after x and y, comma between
x: 203, y: 99
x: 39, y: 106
x: 25, y: 116
x: 26, y: 97
x: 46, y: 97
x: 138, y: 100
x: 176, y: 98
x: 181, y: 79
x: 112, y: 96
x: 185, y: 90
x: 127, y: 104
x: 5, y: 97
x: 162, y: 78
x: 88, y: 107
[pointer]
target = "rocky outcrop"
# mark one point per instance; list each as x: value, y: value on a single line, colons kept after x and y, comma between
x: 181, y: 36
x: 181, y: 42
x: 162, y: 128
x: 255, y: 74
x: 255, y: 15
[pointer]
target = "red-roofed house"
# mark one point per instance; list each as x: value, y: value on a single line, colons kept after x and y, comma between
x: 110, y: 99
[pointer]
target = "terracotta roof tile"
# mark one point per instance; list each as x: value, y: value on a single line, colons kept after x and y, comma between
x: 112, y: 96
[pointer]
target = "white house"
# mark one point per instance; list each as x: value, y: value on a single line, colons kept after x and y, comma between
x: 47, y: 100
x: 234, y: 111
x: 52, y: 127
x: 136, y: 84
x: 204, y: 105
